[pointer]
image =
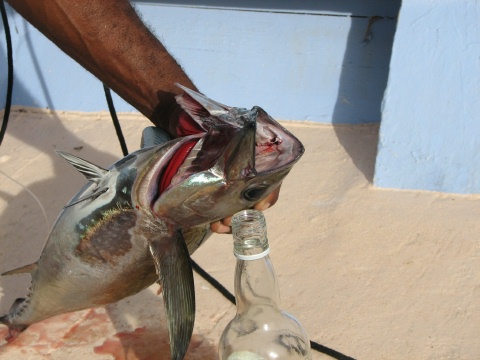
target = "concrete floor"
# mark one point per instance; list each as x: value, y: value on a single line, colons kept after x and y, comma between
x: 371, y: 273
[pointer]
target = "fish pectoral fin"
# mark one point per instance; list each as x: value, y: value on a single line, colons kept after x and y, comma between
x: 174, y: 269
x: 26, y: 269
x: 95, y: 194
x: 91, y: 171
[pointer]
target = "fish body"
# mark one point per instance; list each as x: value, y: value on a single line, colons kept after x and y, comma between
x: 138, y: 221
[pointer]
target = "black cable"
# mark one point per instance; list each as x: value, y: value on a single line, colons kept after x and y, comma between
x: 214, y: 282
x: 330, y: 352
x: 116, y: 123
x: 8, y: 98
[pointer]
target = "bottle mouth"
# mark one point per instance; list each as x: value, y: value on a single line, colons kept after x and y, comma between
x: 249, y: 215
x: 249, y: 235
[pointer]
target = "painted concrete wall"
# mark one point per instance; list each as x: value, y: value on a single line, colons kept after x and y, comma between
x: 430, y: 131
x: 310, y: 60
x: 305, y: 60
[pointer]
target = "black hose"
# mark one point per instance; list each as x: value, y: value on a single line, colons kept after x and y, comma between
x: 116, y: 123
x: 8, y: 98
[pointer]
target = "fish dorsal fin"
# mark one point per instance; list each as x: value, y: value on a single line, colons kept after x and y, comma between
x: 196, y: 104
x: 91, y: 171
x: 27, y: 269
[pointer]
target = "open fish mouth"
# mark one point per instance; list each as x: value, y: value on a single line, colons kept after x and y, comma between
x: 214, y: 125
x: 221, y: 145
x: 275, y: 148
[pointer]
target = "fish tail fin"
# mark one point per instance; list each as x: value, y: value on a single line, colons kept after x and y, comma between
x: 6, y: 319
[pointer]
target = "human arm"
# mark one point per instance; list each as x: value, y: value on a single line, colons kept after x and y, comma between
x: 108, y: 39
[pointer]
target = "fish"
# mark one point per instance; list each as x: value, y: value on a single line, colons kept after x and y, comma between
x: 138, y: 221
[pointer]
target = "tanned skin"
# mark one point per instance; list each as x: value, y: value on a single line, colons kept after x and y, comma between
x: 108, y: 39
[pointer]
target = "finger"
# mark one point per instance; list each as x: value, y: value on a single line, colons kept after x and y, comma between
x: 270, y: 200
x: 219, y: 228
x: 227, y: 221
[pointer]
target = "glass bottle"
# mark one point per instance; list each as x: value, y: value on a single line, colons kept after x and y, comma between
x: 260, y: 329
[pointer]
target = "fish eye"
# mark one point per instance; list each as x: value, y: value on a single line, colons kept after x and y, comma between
x: 254, y: 193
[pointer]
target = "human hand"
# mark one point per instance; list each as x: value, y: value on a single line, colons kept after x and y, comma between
x: 224, y: 226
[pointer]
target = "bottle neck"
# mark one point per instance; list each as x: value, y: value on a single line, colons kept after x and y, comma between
x: 256, y: 284
x: 249, y: 235
x: 255, y: 279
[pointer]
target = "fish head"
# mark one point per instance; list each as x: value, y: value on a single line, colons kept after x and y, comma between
x: 228, y: 159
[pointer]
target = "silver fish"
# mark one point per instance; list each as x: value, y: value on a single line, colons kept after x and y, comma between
x: 138, y: 221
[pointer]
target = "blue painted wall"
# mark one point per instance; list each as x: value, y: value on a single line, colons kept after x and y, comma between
x: 430, y: 131
x: 304, y: 60
x: 310, y: 60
